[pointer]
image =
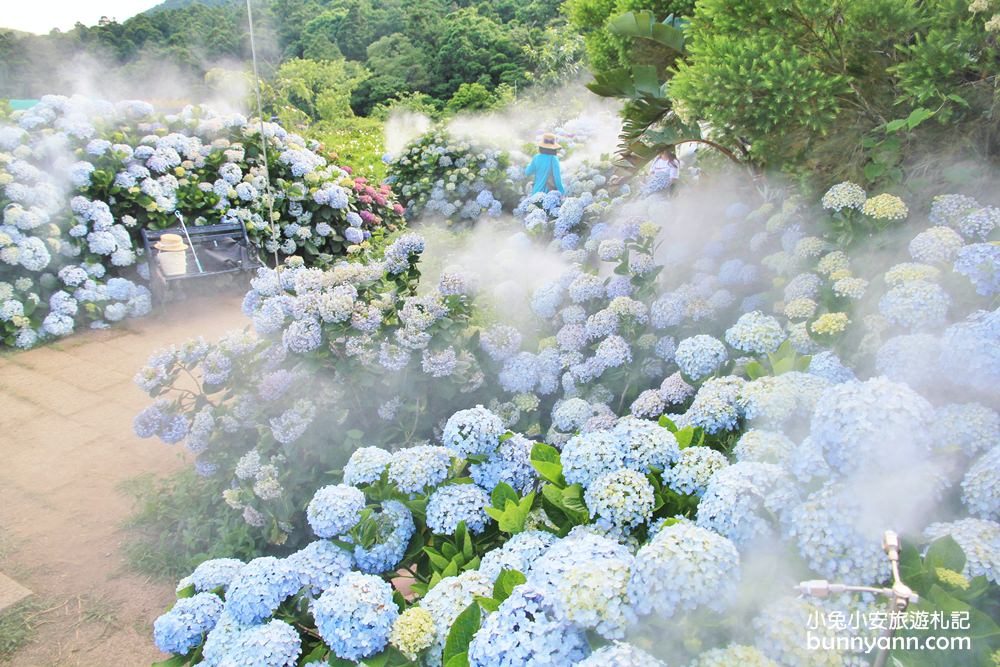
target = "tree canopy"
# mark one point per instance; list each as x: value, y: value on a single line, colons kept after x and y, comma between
x: 424, y: 46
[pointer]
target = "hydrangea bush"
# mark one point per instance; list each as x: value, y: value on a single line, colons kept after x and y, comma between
x: 671, y: 410
x: 319, y: 372
x: 440, y: 176
x: 80, y: 178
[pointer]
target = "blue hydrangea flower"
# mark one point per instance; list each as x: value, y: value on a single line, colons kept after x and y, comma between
x: 668, y: 310
x: 979, y: 539
x: 778, y: 633
x: 183, y: 627
x: 587, y: 456
x: 700, y: 356
x: 935, y: 245
x: 681, y: 568
x: 979, y: 223
x: 525, y: 631
x: 620, y: 654
x: 741, y: 500
x: 828, y: 365
x: 57, y: 325
x: 716, y: 405
x: 950, y: 209
x: 320, y: 565
x: 600, y: 324
x: 831, y: 539
x: 694, y: 470
x: 335, y: 509
x: 756, y: 332
x: 610, y: 249
x: 803, y: 286
x: 332, y: 195
x: 981, y: 486
x: 275, y: 644
x: 910, y: 359
x: 355, y: 617
x: 971, y: 427
x: 620, y: 500
x: 612, y: 352
x: 649, y: 404
x: 519, y: 553
x: 449, y: 598
x: 763, y: 446
x: 585, y: 575
x: 519, y: 374
x: 150, y: 420
x: 571, y: 414
x: 980, y: 263
x: 970, y: 350
x: 293, y: 422
x: 510, y: 463
x: 215, y: 573
x: 216, y: 367
x: 870, y: 425
x: 394, y: 528
x: 440, y: 363
x: 475, y: 431
x: 586, y: 286
x: 366, y: 465
x: 416, y: 469
x: 263, y: 584
x: 916, y: 305
x: 221, y: 639
x: 772, y: 401
x: 546, y: 299
x: 674, y: 390
x: 452, y: 504
x: 500, y: 341
x: 647, y: 444
x: 302, y: 336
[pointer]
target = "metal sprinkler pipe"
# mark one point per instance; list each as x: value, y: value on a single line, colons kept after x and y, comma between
x: 900, y: 595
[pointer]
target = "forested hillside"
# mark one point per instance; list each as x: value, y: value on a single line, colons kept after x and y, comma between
x: 390, y: 47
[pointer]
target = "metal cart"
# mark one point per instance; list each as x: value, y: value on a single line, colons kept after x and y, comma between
x: 212, y: 250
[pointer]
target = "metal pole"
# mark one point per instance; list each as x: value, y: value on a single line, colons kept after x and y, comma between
x: 190, y: 244
x: 900, y: 595
x: 263, y: 140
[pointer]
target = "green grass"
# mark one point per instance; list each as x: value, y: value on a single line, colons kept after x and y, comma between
x: 17, y: 625
x: 99, y: 609
x: 181, y: 520
x: 357, y: 141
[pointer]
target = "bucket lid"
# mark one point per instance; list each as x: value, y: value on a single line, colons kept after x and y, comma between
x: 170, y: 243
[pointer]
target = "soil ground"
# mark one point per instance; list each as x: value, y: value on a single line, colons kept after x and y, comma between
x: 66, y: 443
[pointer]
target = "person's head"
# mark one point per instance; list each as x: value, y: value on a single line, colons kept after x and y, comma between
x: 668, y: 154
x: 548, y: 144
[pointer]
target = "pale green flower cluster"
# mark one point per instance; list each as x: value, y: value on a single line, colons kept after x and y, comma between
x: 810, y: 246
x: 885, y: 207
x: 844, y: 195
x: 852, y: 288
x: 833, y: 261
x: 910, y: 271
x: 413, y: 632
x: 830, y: 323
x: 800, y: 309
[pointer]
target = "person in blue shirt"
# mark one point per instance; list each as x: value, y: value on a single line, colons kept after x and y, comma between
x: 545, y: 166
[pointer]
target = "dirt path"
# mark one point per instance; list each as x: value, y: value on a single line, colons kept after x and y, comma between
x: 66, y: 442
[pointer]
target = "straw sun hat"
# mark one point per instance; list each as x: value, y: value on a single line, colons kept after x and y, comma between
x: 170, y: 243
x: 548, y: 141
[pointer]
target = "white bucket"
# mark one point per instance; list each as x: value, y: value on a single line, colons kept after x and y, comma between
x: 173, y: 263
